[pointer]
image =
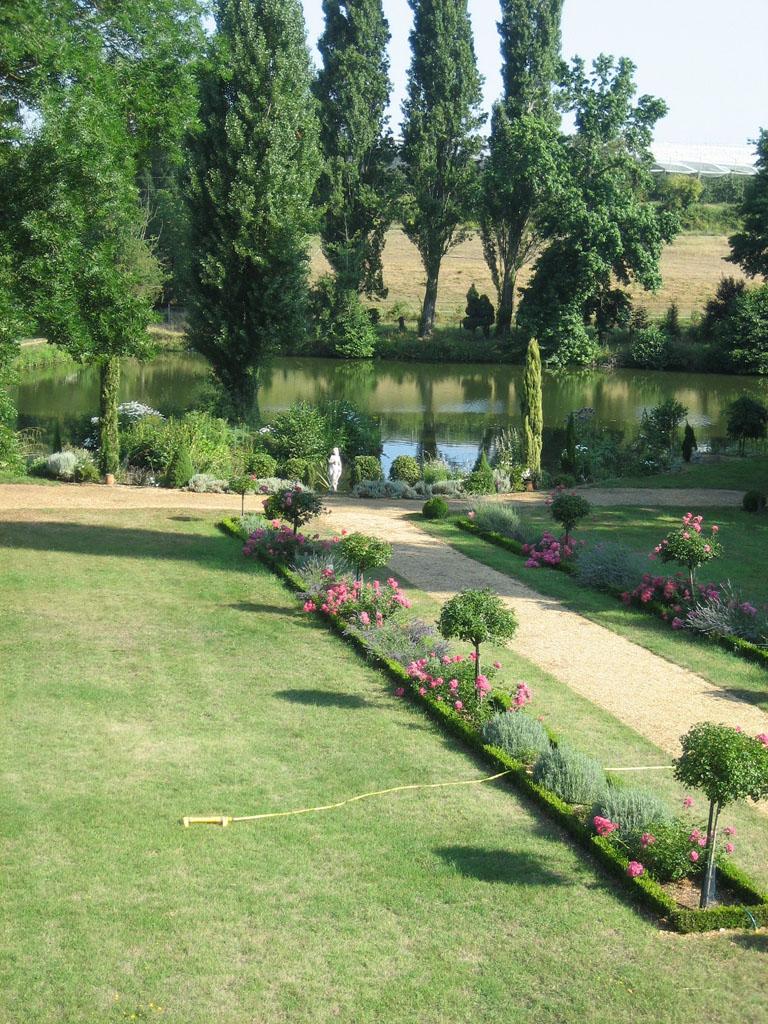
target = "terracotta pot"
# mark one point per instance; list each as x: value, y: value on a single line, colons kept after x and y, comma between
x: 109, y: 480
x: 529, y: 485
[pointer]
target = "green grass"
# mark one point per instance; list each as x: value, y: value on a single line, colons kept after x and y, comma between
x: 729, y: 473
x: 149, y: 672
x: 743, y: 679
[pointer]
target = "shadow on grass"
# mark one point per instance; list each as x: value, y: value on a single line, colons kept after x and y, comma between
x: 323, y: 698
x: 752, y: 941
x: 515, y: 868
x: 212, y: 550
x: 261, y: 609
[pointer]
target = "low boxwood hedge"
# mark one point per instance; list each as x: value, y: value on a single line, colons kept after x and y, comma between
x: 752, y: 913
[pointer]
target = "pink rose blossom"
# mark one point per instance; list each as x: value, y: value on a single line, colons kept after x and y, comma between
x: 688, y: 802
x: 400, y: 691
x: 694, y: 855
x: 635, y: 869
x: 458, y: 705
x: 729, y: 847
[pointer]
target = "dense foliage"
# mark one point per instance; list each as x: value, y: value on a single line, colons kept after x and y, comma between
x: 477, y: 617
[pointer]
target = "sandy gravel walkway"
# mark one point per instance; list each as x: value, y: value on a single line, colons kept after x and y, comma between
x: 656, y: 698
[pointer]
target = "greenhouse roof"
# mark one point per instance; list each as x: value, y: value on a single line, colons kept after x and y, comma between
x: 703, y: 160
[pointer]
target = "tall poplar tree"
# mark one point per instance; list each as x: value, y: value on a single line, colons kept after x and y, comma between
x: 357, y: 185
x: 441, y: 139
x: 254, y: 166
x: 532, y: 408
x: 524, y: 160
x: 749, y: 247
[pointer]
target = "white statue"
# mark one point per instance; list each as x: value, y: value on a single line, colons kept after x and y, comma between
x: 334, y: 469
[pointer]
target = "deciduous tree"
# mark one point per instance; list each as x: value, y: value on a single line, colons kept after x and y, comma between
x: 749, y: 247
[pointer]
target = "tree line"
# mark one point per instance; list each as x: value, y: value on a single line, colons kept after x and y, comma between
x: 135, y: 149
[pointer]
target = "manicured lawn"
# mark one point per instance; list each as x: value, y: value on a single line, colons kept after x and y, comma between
x: 739, y: 677
x: 149, y: 672
x: 730, y: 474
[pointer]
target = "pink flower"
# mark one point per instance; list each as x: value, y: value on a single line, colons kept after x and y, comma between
x: 473, y: 656
x: 715, y: 529
x: 497, y: 664
x: 647, y: 839
x: 762, y: 737
x: 695, y: 836
x: 729, y: 847
x: 471, y: 515
x: 365, y: 618
x: 604, y: 826
x: 458, y: 705
x: 635, y: 869
x: 707, y: 549
x: 310, y: 606
x: 400, y: 691
x: 688, y: 802
x: 729, y: 830
x: 422, y: 691
x: 677, y: 623
x: 694, y: 855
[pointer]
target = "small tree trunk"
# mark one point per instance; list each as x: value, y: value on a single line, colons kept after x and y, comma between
x: 506, y: 304
x: 109, y: 436
x: 429, y: 308
x: 477, y: 661
x: 242, y: 504
x: 709, y: 884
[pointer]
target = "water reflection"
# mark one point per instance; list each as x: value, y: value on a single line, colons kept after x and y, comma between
x: 423, y: 407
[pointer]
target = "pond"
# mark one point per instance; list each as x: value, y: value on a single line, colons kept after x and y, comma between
x: 449, y: 408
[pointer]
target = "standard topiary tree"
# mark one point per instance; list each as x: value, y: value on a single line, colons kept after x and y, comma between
x: 364, y: 552
x: 243, y: 485
x: 727, y: 766
x: 747, y: 420
x: 477, y: 617
x: 568, y: 510
x: 688, y: 546
x: 532, y: 409
x: 296, y: 505
x: 689, y: 442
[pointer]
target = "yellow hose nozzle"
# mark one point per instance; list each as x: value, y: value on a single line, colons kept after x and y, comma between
x: 220, y: 820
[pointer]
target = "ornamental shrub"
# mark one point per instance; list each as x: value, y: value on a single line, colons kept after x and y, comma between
x: 436, y: 471
x: 61, y: 465
x: 609, y: 566
x: 569, y: 774
x: 435, y: 508
x: 727, y: 765
x: 746, y: 420
x: 401, y: 639
x: 384, y: 489
x: 494, y: 517
x: 405, y: 469
x: 650, y: 349
x: 295, y: 505
x: 688, y: 546
x: 366, y: 467
x: 481, y: 480
x: 664, y: 849
x: 753, y: 501
x: 364, y: 552
x: 516, y: 733
x: 477, y: 617
x: 261, y: 465
x: 633, y: 807
x: 180, y: 471
x: 726, y: 613
x: 295, y: 469
x: 568, y: 510
x: 452, y: 680
x: 689, y: 442
x: 86, y: 472
x: 207, y: 483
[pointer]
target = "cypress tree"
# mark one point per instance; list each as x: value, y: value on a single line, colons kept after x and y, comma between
x: 532, y: 409
x: 522, y: 164
x: 253, y: 170
x: 441, y: 140
x: 356, y: 189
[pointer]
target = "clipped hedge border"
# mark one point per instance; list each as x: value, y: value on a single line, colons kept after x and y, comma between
x: 645, y: 890
x: 734, y: 644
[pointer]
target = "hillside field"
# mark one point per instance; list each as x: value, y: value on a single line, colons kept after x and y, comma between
x: 691, y: 267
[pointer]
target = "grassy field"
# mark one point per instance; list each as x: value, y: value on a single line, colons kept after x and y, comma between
x: 691, y: 269
x: 743, y: 563
x: 727, y: 473
x: 148, y: 672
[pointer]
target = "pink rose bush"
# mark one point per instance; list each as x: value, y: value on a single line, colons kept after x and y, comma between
x: 451, y: 679
x: 277, y: 542
x: 548, y: 552
x: 368, y: 604
x: 689, y: 546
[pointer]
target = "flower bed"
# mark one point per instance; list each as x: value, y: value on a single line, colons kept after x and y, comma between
x: 747, y: 649
x: 414, y: 681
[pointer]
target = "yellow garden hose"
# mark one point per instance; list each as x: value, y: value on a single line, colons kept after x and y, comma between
x: 225, y: 820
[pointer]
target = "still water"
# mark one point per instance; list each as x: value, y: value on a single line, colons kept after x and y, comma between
x: 429, y: 407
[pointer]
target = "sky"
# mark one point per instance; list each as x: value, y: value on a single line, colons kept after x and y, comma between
x: 708, y: 59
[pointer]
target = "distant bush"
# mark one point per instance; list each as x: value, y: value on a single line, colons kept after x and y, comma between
x: 343, y: 326
x: 73, y: 464
x: 747, y: 420
x: 384, y: 489
x: 366, y: 467
x: 573, y: 776
x: 448, y: 488
x: 633, y: 808
x: 753, y: 501
x: 650, y: 349
x: 481, y: 480
x: 181, y: 470
x: 403, y: 640
x: 745, y: 330
x: 504, y: 519
x: 296, y: 469
x: 436, y: 471
x: 260, y: 464
x: 206, y: 483
x: 406, y: 469
x: 516, y: 733
x: 87, y: 473
x: 435, y: 508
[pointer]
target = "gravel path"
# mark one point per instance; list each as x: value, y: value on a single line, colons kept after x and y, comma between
x: 657, y: 699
